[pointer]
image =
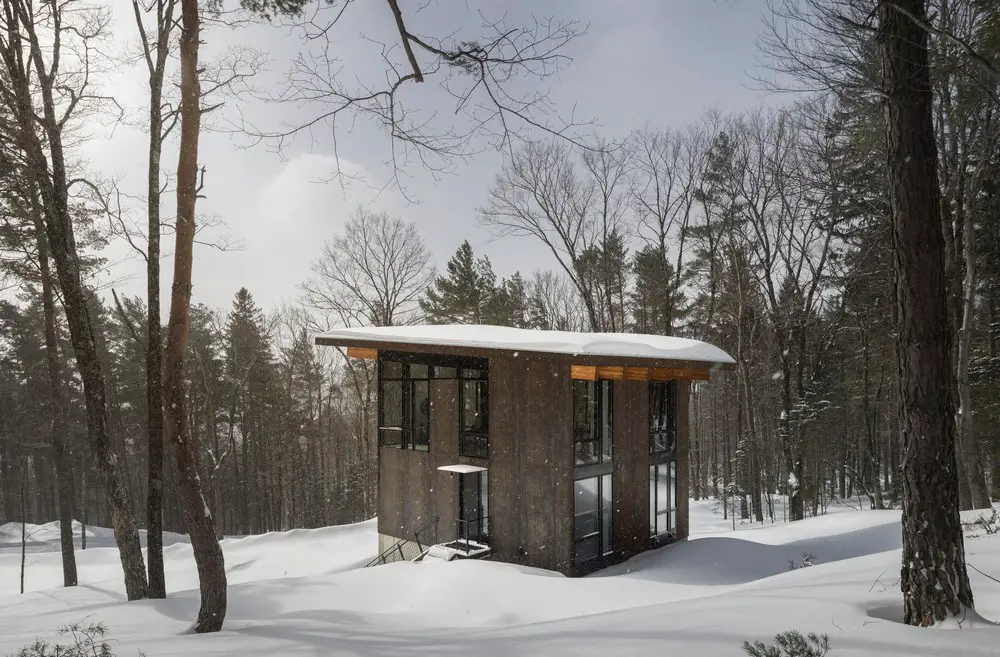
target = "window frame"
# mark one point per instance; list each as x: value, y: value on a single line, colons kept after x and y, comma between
x: 407, y: 430
x: 663, y: 454
x: 481, y: 520
x: 430, y: 367
x: 604, y: 533
x: 657, y: 431
x: 669, y: 506
x: 601, y: 394
x: 475, y: 442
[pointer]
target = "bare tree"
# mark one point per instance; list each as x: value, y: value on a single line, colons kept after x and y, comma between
x: 479, y: 73
x: 967, y: 139
x: 373, y: 273
x: 554, y: 303
x: 666, y: 174
x: 156, y: 49
x: 50, y: 54
x: 539, y: 194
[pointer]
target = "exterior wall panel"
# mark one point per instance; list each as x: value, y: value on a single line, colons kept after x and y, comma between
x: 631, y: 467
x: 530, y: 467
x: 683, y: 451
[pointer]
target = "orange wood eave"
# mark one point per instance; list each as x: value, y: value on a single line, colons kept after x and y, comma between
x: 624, y: 363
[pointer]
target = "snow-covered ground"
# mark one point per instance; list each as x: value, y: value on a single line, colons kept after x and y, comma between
x: 303, y: 593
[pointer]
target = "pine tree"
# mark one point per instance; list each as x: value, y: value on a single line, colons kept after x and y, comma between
x: 463, y: 296
x: 653, y: 303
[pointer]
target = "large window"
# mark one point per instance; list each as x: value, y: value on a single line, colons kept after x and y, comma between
x: 662, y: 500
x: 404, y: 409
x: 593, y: 519
x: 662, y: 416
x: 474, y: 435
x: 592, y: 421
x: 405, y: 405
x: 662, y: 460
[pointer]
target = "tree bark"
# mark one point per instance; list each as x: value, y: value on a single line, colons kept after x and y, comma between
x: 156, y: 59
x: 970, y: 460
x: 200, y: 525
x: 51, y: 180
x: 934, y: 580
x: 57, y: 394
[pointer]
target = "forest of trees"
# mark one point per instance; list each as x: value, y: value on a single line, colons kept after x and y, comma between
x: 769, y: 233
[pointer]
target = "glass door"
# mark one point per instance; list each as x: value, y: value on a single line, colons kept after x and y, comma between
x: 473, y: 507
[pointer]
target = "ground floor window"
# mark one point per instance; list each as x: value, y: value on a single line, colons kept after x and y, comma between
x: 593, y: 519
x: 663, y: 499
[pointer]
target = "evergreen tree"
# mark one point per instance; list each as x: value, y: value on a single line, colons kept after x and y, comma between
x: 465, y: 294
x: 653, y: 304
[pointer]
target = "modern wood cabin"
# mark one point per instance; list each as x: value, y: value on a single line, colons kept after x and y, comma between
x: 564, y: 451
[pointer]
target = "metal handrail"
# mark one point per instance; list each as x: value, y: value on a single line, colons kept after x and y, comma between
x: 389, y: 554
x: 480, y: 524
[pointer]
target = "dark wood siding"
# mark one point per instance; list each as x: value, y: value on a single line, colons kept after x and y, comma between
x: 631, y: 467
x: 683, y: 450
x: 531, y: 466
x: 411, y: 488
x: 531, y: 488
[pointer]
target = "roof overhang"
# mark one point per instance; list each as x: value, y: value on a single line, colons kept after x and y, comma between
x: 535, y: 345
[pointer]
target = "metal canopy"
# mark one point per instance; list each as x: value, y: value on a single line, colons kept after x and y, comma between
x: 461, y: 468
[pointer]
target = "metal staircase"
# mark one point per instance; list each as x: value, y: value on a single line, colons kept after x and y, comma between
x: 409, y: 549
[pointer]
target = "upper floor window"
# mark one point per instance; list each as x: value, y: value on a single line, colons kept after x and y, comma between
x: 592, y: 421
x: 662, y: 416
x: 404, y: 405
x: 474, y: 413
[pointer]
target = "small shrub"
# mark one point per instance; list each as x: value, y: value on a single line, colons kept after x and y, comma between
x: 807, y: 560
x: 790, y: 644
x: 82, y: 641
x: 987, y: 524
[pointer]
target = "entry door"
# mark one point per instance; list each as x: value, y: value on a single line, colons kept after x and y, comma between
x: 473, y: 507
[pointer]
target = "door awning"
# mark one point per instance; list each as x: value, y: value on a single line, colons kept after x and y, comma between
x: 462, y: 468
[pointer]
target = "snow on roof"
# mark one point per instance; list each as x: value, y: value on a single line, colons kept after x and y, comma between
x: 622, y: 345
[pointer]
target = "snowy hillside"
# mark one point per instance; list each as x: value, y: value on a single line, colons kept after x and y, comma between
x: 302, y: 593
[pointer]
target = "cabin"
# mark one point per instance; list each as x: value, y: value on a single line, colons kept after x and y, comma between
x: 557, y: 450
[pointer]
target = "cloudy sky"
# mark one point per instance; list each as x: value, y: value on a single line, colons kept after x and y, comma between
x: 656, y: 62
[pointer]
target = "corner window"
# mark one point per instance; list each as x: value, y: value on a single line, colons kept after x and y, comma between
x: 593, y: 519
x: 663, y: 499
x: 662, y: 416
x: 404, y: 405
x: 474, y: 403
x: 592, y: 421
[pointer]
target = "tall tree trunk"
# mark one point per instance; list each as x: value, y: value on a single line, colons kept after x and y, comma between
x: 154, y: 349
x: 156, y: 54
x: 50, y: 179
x: 57, y: 393
x: 201, y: 528
x: 934, y: 581
x: 970, y: 460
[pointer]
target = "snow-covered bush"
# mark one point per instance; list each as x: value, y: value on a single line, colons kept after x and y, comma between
x: 790, y: 644
x: 82, y: 641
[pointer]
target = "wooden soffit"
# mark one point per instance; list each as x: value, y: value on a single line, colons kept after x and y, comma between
x: 614, y: 373
x: 362, y: 352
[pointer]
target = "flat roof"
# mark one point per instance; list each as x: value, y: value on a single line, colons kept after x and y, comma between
x: 504, y: 338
